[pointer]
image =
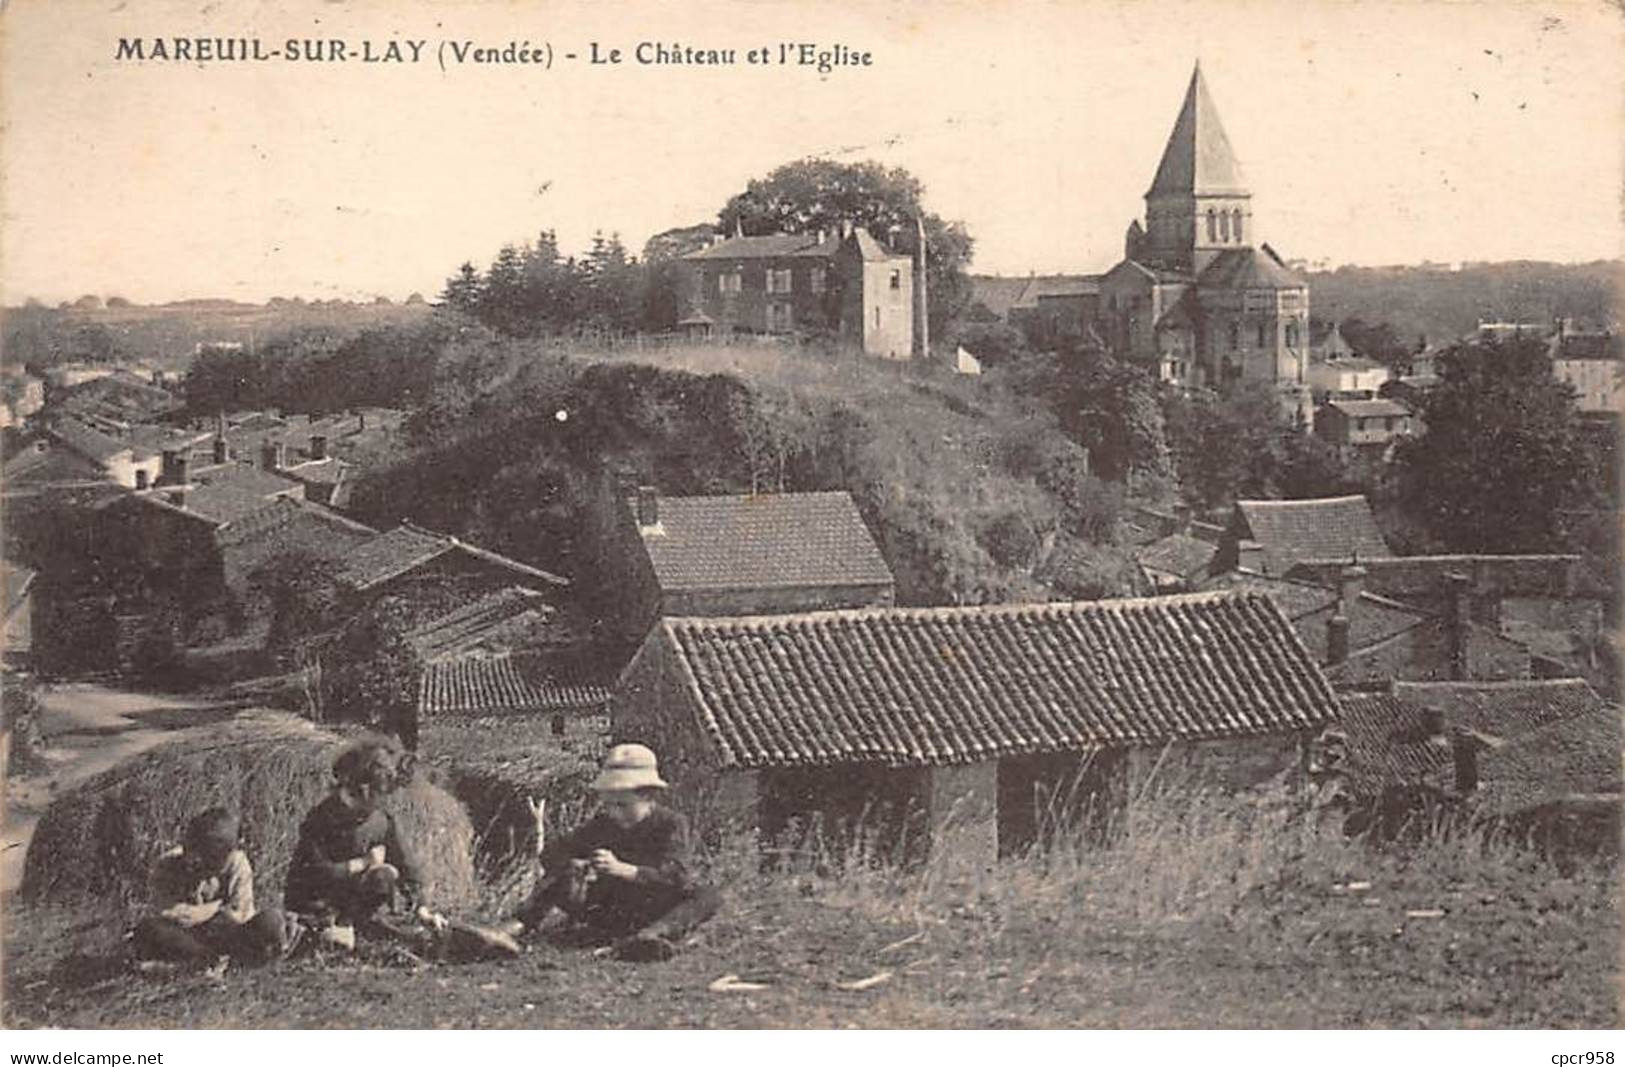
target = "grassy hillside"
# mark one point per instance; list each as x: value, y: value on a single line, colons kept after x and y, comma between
x: 972, y: 491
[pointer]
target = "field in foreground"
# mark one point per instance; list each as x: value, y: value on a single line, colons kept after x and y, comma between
x: 1235, y: 940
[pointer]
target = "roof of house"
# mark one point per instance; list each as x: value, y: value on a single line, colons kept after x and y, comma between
x: 1359, y: 364
x: 505, y: 683
x: 1422, y: 578
x: 1504, y: 709
x: 1575, y: 756
x: 87, y: 441
x: 905, y: 686
x: 1198, y: 158
x: 407, y: 547
x: 1589, y: 346
x: 771, y: 540
x: 504, y: 614
x: 1338, y: 527
x: 41, y: 463
x: 221, y: 503
x: 768, y: 246
x: 1372, y: 619
x: 997, y: 293
x: 1177, y: 553
x: 1249, y: 268
x: 1389, y: 743
x: 1366, y: 409
x: 1042, y: 286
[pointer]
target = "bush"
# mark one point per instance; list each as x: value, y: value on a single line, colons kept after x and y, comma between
x: 100, y: 839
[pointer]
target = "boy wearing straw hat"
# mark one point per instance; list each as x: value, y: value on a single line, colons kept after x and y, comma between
x: 623, y: 876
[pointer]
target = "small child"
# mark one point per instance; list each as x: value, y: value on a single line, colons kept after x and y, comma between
x: 623, y: 876
x: 203, y: 890
x: 350, y: 862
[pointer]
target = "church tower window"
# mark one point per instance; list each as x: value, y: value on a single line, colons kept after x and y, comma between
x: 1224, y: 225
x: 1236, y: 224
x: 1212, y: 226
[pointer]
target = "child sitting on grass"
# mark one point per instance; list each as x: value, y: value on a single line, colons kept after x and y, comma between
x: 350, y: 863
x: 203, y: 891
x: 622, y: 877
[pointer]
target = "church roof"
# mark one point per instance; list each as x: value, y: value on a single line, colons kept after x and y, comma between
x: 1249, y: 268
x: 1198, y: 159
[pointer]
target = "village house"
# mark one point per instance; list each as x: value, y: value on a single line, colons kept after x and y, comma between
x: 738, y: 555
x: 1552, y: 605
x: 1365, y: 431
x: 1053, y: 307
x: 846, y: 284
x: 1327, y: 343
x: 1347, y: 378
x: 435, y: 573
x: 1361, y: 638
x: 1590, y: 363
x: 1179, y: 560
x: 1197, y: 298
x: 1540, y: 758
x: 977, y: 721
x: 1273, y: 536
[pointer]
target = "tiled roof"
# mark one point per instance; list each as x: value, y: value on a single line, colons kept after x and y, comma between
x: 222, y: 503
x: 493, y: 685
x: 1504, y: 709
x: 949, y: 685
x: 392, y: 553
x: 407, y: 547
x: 772, y: 540
x: 505, y: 613
x: 1248, y: 268
x: 768, y: 246
x: 1576, y: 756
x: 1589, y: 346
x: 88, y: 442
x: 1372, y: 619
x: 1044, y: 286
x: 1365, y: 409
x: 1329, y: 528
x: 1351, y: 363
x: 1389, y: 744
x: 1422, y: 578
x: 1178, y: 553
x: 996, y: 293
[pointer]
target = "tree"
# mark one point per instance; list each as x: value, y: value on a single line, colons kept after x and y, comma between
x: 1111, y: 408
x: 819, y: 194
x: 463, y: 290
x: 1502, y: 459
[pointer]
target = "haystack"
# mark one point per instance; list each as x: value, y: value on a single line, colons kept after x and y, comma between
x: 101, y: 838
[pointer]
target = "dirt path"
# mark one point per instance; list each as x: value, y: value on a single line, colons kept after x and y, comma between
x: 88, y: 729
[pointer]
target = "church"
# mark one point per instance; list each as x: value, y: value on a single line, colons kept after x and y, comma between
x: 1197, y: 298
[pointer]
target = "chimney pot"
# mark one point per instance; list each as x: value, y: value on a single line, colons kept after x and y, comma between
x: 1464, y: 749
x: 318, y: 446
x: 222, y: 451
x: 273, y: 455
x: 1456, y: 626
x: 1433, y: 722
x: 141, y: 478
x: 1350, y: 584
x: 1182, y: 519
x: 648, y: 506
x: 1337, y: 639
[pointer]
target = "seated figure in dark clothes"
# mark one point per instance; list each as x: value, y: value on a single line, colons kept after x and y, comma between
x: 350, y: 864
x: 203, y: 894
x: 622, y: 878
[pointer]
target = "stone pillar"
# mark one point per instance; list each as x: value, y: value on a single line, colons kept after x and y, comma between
x: 963, y: 801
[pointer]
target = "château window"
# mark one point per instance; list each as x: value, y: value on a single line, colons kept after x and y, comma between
x: 1224, y: 225
x: 1235, y: 336
x: 817, y: 279
x: 1261, y: 335
x: 728, y: 282
x: 1235, y: 225
x: 877, y: 318
x: 778, y: 281
x: 1212, y: 224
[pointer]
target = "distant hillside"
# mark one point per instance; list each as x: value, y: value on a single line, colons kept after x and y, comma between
x: 167, y: 335
x: 1439, y: 303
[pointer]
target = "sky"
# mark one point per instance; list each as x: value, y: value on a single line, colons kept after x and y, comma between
x: 1372, y: 133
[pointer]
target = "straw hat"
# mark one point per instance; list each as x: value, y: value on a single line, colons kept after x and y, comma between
x: 628, y: 767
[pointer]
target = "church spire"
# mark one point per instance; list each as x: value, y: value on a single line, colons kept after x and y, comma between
x: 1198, y: 160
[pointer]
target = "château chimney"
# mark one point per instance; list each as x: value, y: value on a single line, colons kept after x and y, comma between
x: 175, y: 469
x: 648, y: 506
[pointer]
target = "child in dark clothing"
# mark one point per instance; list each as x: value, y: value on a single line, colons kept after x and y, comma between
x: 623, y: 876
x: 350, y: 862
x: 203, y: 891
